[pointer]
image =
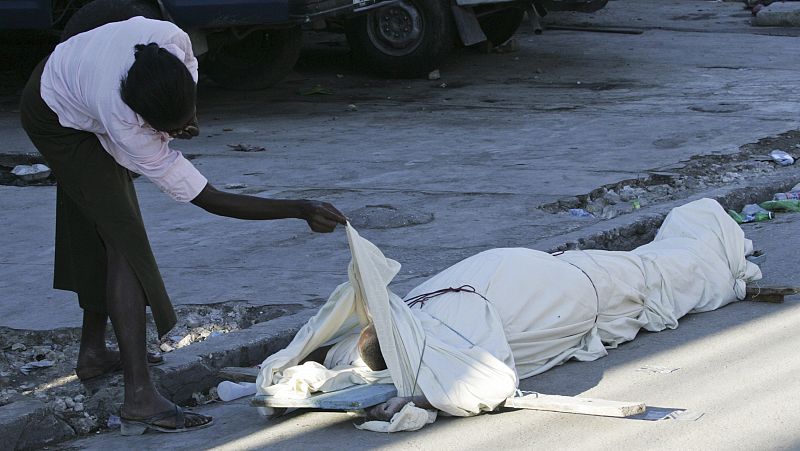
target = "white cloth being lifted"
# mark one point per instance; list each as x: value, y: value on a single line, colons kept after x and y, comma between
x: 464, y: 352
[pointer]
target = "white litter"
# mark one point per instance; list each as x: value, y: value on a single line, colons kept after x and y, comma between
x: 32, y: 172
x: 782, y: 158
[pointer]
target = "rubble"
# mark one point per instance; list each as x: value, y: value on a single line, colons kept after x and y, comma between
x: 700, y: 173
x: 39, y: 365
x: 778, y: 14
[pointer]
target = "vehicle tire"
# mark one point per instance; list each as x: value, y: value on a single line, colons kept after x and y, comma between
x: 500, y: 25
x: 258, y: 61
x: 408, y: 38
x: 101, y: 12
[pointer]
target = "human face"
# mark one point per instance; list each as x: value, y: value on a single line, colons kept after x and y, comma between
x: 188, y: 131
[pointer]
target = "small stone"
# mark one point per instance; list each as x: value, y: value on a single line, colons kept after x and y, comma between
x: 78, y: 407
x: 59, y: 405
x: 165, y: 347
x: 113, y: 422
x: 612, y: 197
x: 198, y: 397
x: 69, y: 402
x: 84, y: 425
x: 569, y: 202
x: 443, y: 85
x: 185, y: 341
x: 16, y: 347
x: 627, y: 193
x: 194, y: 320
x: 609, y: 213
x: 352, y: 107
x: 79, y: 398
x: 594, y: 207
x: 434, y: 75
x: 235, y: 185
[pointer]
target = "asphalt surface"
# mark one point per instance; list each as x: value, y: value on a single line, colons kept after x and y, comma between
x: 436, y: 171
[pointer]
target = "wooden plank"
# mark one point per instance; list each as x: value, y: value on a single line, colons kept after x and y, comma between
x: 352, y: 398
x: 569, y: 404
x: 239, y: 374
x: 769, y: 294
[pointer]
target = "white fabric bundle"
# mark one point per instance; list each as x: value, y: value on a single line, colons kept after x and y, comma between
x: 463, y: 351
x: 409, y: 418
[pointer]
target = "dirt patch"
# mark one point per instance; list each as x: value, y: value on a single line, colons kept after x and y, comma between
x: 40, y: 364
x: 700, y: 173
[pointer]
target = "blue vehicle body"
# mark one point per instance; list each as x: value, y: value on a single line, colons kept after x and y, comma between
x: 19, y: 14
x: 225, y: 13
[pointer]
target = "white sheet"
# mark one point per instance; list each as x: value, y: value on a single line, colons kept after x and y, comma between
x: 464, y: 353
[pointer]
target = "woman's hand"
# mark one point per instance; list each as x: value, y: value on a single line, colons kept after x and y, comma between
x: 386, y: 410
x: 322, y: 216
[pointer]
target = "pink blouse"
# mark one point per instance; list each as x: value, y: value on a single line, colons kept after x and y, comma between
x: 81, y: 84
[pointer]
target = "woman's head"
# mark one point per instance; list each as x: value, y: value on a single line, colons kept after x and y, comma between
x: 160, y: 88
x: 370, y: 350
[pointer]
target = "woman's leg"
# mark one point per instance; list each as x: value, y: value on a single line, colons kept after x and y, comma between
x: 94, y: 358
x: 126, y: 307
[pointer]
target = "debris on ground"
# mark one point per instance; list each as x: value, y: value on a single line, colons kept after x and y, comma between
x: 30, y: 173
x: 782, y: 158
x: 751, y: 213
x: 782, y: 205
x: 40, y: 364
x: 512, y: 45
x: 580, y: 213
x: 352, y: 107
x: 698, y: 174
x: 434, y: 75
x: 235, y: 185
x: 777, y: 14
x: 655, y: 369
x: 246, y: 148
x: 316, y: 90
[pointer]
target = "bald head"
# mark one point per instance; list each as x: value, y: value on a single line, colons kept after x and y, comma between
x: 370, y: 350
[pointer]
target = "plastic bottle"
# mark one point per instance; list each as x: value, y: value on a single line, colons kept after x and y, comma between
x: 228, y: 391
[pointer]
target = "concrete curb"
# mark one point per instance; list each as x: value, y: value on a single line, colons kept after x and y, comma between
x: 628, y: 231
x: 194, y: 368
x: 29, y: 424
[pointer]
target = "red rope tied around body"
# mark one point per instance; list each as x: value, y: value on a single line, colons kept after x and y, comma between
x: 422, y: 298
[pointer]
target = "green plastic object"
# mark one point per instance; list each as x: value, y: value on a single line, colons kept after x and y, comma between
x: 781, y: 205
x: 736, y: 216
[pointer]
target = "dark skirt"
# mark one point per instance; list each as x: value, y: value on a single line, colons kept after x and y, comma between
x: 96, y: 205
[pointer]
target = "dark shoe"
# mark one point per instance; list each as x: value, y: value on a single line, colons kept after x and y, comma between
x: 139, y: 427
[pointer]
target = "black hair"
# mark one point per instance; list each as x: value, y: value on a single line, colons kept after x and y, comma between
x: 370, y: 350
x: 159, y: 87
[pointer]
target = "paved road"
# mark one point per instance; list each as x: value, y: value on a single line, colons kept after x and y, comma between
x: 734, y: 366
x: 567, y: 113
